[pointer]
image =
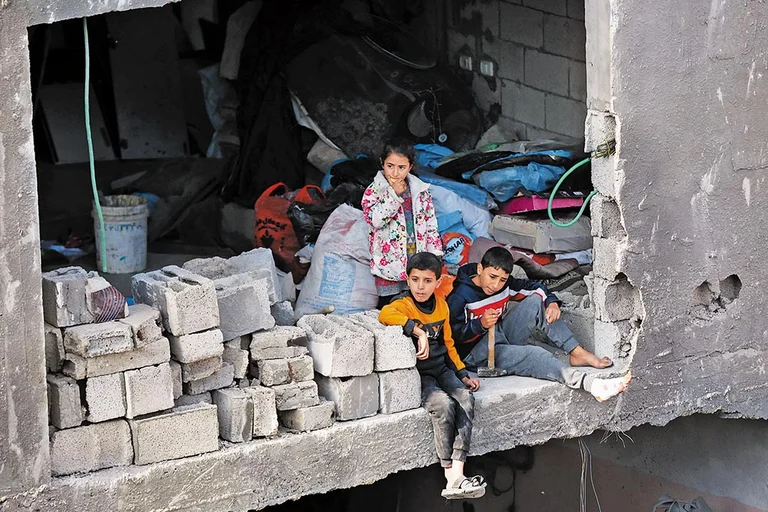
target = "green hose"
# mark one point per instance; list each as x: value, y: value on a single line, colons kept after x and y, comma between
x: 90, y: 148
x: 554, y: 191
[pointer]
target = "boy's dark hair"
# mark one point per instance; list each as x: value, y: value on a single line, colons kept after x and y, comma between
x: 400, y: 146
x: 498, y: 257
x: 425, y: 261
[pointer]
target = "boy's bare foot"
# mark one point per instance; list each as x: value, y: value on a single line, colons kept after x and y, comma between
x: 603, y: 389
x: 583, y: 357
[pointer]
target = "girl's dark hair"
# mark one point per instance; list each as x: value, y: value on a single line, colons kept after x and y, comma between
x: 400, y: 146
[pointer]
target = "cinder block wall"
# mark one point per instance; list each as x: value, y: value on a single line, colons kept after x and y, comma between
x: 538, y: 47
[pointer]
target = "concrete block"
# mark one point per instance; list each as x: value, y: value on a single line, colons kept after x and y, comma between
x: 148, y: 390
x: 392, y: 349
x: 399, y: 390
x: 354, y: 397
x: 566, y: 37
x: 301, y: 368
x: 54, y: 348
x: 221, y: 379
x: 200, y: 369
x: 264, y: 410
x: 601, y: 128
x: 521, y: 25
x: 92, y: 340
x: 558, y: 7
x: 605, y: 175
x: 187, y: 302
x: 145, y: 323
x: 235, y: 410
x: 278, y: 353
x: 91, y: 447
x: 202, y: 398
x: 614, y: 339
x: 244, y: 305
x: 614, y: 300
x: 259, y: 261
x: 522, y: 103
x: 546, y: 72
x: 280, y: 336
x: 511, y: 61
x: 105, y: 397
x: 64, y: 297
x: 296, y: 394
x: 176, y: 377
x: 273, y: 372
x: 189, y: 430
x: 306, y: 419
x: 339, y: 349
x: 80, y: 367
x: 609, y: 257
x: 606, y: 218
x: 576, y: 9
x: 566, y: 116
x: 282, y: 312
x: 65, y: 408
x: 199, y: 346
x: 237, y: 357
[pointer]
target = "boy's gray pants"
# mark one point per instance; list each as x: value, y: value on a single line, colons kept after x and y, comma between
x: 451, y: 407
x: 517, y: 357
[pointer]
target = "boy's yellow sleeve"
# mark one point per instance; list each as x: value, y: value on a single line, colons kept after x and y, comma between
x: 395, y: 313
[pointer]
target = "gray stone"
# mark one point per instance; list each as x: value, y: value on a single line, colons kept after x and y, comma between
x: 105, y: 397
x: 278, y: 353
x: 354, y: 397
x: 65, y: 408
x: 92, y: 340
x: 176, y: 376
x: 235, y: 410
x: 199, y: 346
x: 273, y: 372
x: 338, y: 347
x: 237, y: 357
x: 202, y: 398
x: 306, y: 419
x: 301, y: 368
x: 187, y: 302
x: 546, y: 72
x: 223, y: 378
x: 148, y: 390
x: 244, y: 304
x: 145, y: 322
x: 295, y: 395
x: 200, y: 369
x: 80, y: 367
x: 186, y: 431
x: 279, y: 337
x: 282, y: 312
x: 91, y: 447
x: 54, y: 348
x: 399, y: 390
x: 264, y: 410
x: 392, y: 349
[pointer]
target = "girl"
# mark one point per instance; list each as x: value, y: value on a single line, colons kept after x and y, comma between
x: 399, y: 209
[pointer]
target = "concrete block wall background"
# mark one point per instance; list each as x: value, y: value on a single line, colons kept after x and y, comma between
x: 538, y: 49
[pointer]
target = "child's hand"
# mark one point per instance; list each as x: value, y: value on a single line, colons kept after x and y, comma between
x: 422, y: 352
x: 472, y: 384
x: 552, y: 313
x: 489, y: 318
x: 398, y: 186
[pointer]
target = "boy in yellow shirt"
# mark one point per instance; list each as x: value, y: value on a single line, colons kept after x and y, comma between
x: 446, y: 387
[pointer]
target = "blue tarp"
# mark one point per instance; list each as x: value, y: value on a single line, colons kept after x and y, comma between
x: 504, y: 184
x: 430, y: 155
x: 466, y: 190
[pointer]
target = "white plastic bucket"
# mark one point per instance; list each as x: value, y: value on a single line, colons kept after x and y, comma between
x: 125, y: 227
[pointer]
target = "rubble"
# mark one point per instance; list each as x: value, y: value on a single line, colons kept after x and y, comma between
x: 339, y: 348
x: 222, y: 378
x: 199, y: 346
x: 54, y: 348
x: 145, y: 324
x: 306, y: 419
x: 354, y: 397
x: 64, y: 405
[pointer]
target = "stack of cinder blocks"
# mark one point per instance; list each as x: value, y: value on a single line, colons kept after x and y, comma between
x: 111, y: 385
x: 362, y: 366
x: 279, y: 360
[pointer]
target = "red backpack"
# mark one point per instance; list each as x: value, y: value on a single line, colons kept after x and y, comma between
x: 273, y: 228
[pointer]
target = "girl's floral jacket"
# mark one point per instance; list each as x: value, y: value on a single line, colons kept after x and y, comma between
x: 384, y: 213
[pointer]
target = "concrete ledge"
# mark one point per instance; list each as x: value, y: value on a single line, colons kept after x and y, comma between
x: 510, y: 411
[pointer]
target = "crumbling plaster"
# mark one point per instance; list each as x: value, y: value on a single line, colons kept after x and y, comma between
x: 685, y: 86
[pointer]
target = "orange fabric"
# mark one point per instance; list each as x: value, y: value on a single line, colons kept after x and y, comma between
x: 446, y: 286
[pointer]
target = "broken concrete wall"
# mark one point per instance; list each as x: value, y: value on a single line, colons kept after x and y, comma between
x: 538, y: 52
x: 685, y: 93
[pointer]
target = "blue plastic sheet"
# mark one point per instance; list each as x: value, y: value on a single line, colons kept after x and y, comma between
x: 466, y: 190
x: 431, y: 155
x: 504, y: 184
